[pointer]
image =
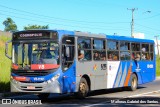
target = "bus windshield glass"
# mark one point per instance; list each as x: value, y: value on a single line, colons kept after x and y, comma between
x: 26, y: 54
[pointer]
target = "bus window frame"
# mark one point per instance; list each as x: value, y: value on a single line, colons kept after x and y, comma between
x: 153, y: 51
x: 149, y: 53
x: 133, y: 51
x: 88, y: 38
x: 104, y: 50
x: 129, y: 49
x: 61, y: 62
x: 117, y: 50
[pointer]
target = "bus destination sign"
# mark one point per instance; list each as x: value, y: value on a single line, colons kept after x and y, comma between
x: 31, y: 35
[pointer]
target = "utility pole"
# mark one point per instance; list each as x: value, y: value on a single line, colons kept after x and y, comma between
x: 132, y: 23
x: 157, y: 44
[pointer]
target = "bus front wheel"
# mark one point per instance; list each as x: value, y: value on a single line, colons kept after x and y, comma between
x: 83, y: 89
x: 133, y: 82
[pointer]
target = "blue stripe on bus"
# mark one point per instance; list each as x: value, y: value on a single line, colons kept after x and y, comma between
x: 115, y: 81
x: 123, y: 75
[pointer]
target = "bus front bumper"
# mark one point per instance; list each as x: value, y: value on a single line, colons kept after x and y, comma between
x: 44, y: 87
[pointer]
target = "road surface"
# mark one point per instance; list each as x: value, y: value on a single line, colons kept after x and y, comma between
x: 146, y: 95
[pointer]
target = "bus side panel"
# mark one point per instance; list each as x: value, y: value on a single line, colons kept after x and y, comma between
x: 96, y: 72
x: 69, y: 79
x: 137, y: 71
x: 113, y: 69
x: 123, y: 74
x: 147, y: 71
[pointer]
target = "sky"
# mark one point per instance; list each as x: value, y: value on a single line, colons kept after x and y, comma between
x: 95, y: 16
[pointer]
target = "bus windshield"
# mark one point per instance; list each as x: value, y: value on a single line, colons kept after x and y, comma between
x: 26, y: 54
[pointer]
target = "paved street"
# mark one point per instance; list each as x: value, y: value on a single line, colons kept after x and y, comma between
x: 146, y: 94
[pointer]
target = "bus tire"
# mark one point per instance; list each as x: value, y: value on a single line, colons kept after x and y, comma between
x: 133, y: 82
x: 43, y: 96
x: 83, y: 89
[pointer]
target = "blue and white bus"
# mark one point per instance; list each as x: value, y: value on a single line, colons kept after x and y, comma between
x: 61, y: 61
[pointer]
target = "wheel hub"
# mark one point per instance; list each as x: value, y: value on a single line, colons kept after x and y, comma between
x: 82, y: 87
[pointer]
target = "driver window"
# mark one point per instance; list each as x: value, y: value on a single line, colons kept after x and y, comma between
x: 67, y: 52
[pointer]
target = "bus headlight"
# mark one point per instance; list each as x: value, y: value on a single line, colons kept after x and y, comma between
x: 53, y: 78
x: 13, y: 80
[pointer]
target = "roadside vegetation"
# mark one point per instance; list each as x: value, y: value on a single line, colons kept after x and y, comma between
x: 158, y: 66
x: 5, y: 64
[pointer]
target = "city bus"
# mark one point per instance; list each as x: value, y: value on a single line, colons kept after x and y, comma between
x: 62, y: 61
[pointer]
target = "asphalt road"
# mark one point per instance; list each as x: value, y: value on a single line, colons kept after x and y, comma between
x: 146, y: 95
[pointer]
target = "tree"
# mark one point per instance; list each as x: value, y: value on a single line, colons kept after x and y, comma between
x: 35, y: 27
x: 9, y: 25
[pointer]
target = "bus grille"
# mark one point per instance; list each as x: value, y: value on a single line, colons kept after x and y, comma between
x: 33, y: 73
x: 36, y: 88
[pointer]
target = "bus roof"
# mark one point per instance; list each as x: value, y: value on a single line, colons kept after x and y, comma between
x: 126, y: 38
x: 79, y: 33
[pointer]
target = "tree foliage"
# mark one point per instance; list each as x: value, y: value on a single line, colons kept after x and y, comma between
x: 35, y: 27
x: 9, y: 25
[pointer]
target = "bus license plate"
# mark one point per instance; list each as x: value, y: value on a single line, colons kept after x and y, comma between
x: 30, y: 87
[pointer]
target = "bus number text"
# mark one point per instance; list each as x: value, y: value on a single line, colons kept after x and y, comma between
x: 149, y: 65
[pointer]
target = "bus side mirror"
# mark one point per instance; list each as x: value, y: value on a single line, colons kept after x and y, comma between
x: 6, y: 49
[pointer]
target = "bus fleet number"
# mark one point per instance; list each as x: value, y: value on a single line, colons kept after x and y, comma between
x: 149, y: 65
x: 41, y: 66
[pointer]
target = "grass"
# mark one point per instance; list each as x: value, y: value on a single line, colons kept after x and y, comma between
x: 158, y: 66
x: 5, y: 64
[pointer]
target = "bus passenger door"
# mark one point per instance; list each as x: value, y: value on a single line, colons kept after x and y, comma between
x: 68, y: 66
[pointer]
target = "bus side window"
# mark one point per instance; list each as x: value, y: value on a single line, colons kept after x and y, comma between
x: 125, y: 50
x: 84, y: 49
x: 145, y: 51
x: 135, y: 49
x: 112, y: 50
x: 99, y: 51
x: 151, y: 52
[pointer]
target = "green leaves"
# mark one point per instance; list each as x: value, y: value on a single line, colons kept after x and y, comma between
x: 29, y: 27
x: 10, y: 25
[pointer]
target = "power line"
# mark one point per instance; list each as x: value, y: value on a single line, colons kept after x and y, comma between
x: 57, y: 18
x: 62, y: 24
x: 149, y: 17
x: 38, y: 18
x: 42, y: 18
x: 147, y: 27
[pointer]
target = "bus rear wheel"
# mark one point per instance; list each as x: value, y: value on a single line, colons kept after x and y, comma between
x: 83, y: 89
x: 43, y: 96
x: 133, y: 82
